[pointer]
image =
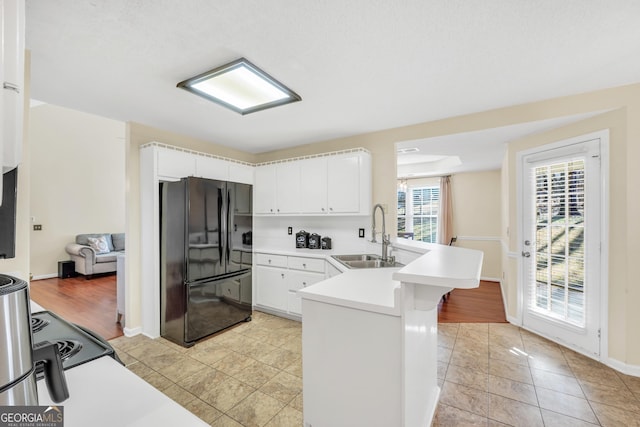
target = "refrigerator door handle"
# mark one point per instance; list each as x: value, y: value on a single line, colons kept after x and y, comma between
x: 220, y: 223
x: 228, y: 245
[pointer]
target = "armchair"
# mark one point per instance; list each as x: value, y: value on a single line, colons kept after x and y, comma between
x: 88, y: 260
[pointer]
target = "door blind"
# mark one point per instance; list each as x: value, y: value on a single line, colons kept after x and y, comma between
x: 558, y: 289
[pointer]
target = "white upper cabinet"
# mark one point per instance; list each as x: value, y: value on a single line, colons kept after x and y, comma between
x: 336, y: 184
x: 343, y: 190
x: 313, y: 199
x: 241, y: 173
x: 288, y: 187
x: 264, y: 192
x: 207, y: 167
x: 12, y: 77
x: 175, y: 164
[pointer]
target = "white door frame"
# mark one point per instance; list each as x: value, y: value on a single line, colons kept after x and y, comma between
x: 603, y: 135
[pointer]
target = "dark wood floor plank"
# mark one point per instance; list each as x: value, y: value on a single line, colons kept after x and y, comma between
x: 481, y: 304
x: 89, y: 303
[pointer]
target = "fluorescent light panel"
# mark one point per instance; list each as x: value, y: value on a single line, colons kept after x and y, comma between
x: 240, y: 86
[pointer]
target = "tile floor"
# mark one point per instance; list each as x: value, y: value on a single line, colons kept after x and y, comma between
x: 490, y: 374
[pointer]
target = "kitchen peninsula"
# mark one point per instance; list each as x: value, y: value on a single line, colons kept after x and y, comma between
x: 369, y: 339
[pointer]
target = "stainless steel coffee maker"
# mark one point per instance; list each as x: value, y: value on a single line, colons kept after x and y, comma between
x: 18, y: 355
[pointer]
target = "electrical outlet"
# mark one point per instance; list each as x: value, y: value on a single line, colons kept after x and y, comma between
x: 361, y: 233
x: 289, y: 231
x: 37, y: 227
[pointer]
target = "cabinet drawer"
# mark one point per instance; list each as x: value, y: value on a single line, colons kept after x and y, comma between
x: 271, y: 260
x: 298, y: 280
x: 307, y: 264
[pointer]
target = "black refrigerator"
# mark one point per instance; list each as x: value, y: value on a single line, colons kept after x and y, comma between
x: 205, y: 257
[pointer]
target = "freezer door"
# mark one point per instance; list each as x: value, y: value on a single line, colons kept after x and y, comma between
x: 217, y: 304
x: 239, y: 233
x: 206, y: 226
x: 172, y: 255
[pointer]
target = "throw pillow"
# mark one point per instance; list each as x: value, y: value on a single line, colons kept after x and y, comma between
x: 99, y: 244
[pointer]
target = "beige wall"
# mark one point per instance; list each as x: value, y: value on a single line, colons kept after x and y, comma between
x: 476, y: 216
x: 19, y: 266
x: 77, y: 181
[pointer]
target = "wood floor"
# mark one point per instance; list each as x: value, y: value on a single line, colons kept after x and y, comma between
x: 479, y: 305
x: 92, y: 303
x: 89, y: 303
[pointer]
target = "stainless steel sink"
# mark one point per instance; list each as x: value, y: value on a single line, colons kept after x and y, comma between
x: 365, y: 261
x: 356, y: 257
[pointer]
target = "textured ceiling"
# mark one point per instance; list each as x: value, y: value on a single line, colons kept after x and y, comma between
x: 359, y: 65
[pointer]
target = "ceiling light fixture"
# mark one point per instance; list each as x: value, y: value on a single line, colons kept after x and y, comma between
x: 408, y: 150
x: 241, y: 87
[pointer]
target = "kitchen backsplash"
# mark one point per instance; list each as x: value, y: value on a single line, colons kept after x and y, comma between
x: 270, y: 233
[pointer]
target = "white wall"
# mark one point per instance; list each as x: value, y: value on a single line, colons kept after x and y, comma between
x: 77, y: 181
x: 271, y: 232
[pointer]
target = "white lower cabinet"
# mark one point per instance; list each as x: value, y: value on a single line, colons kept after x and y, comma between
x: 271, y: 286
x: 276, y: 285
x: 296, y: 281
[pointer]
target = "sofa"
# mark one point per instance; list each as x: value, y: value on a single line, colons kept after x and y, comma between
x: 96, y: 253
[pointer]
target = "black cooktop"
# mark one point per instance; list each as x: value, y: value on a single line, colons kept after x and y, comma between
x: 76, y: 345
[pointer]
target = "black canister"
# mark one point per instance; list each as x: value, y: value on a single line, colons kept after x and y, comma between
x: 326, y: 243
x: 302, y: 239
x: 314, y: 241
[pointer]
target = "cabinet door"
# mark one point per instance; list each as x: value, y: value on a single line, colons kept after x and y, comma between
x: 176, y: 164
x: 243, y: 198
x: 314, y: 195
x: 241, y: 173
x: 264, y: 193
x: 12, y: 25
x: 208, y: 167
x: 271, y: 287
x: 332, y: 271
x: 343, y: 190
x: 298, y: 280
x: 288, y: 187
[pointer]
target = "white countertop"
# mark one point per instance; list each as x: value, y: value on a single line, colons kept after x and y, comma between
x: 105, y: 393
x: 441, y: 265
x: 377, y: 290
x: 365, y: 289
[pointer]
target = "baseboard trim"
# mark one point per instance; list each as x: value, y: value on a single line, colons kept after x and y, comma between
x: 625, y: 368
x: 45, y: 276
x: 130, y: 332
x: 490, y: 279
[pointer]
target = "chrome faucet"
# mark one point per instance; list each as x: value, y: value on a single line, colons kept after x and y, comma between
x: 385, y: 237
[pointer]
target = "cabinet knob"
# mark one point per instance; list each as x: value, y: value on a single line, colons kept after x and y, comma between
x: 322, y: 209
x: 278, y: 210
x: 304, y: 284
x: 269, y: 261
x: 330, y: 209
x: 282, y: 274
x: 304, y: 265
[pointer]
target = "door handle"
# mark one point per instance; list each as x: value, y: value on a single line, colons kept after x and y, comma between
x: 526, y: 254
